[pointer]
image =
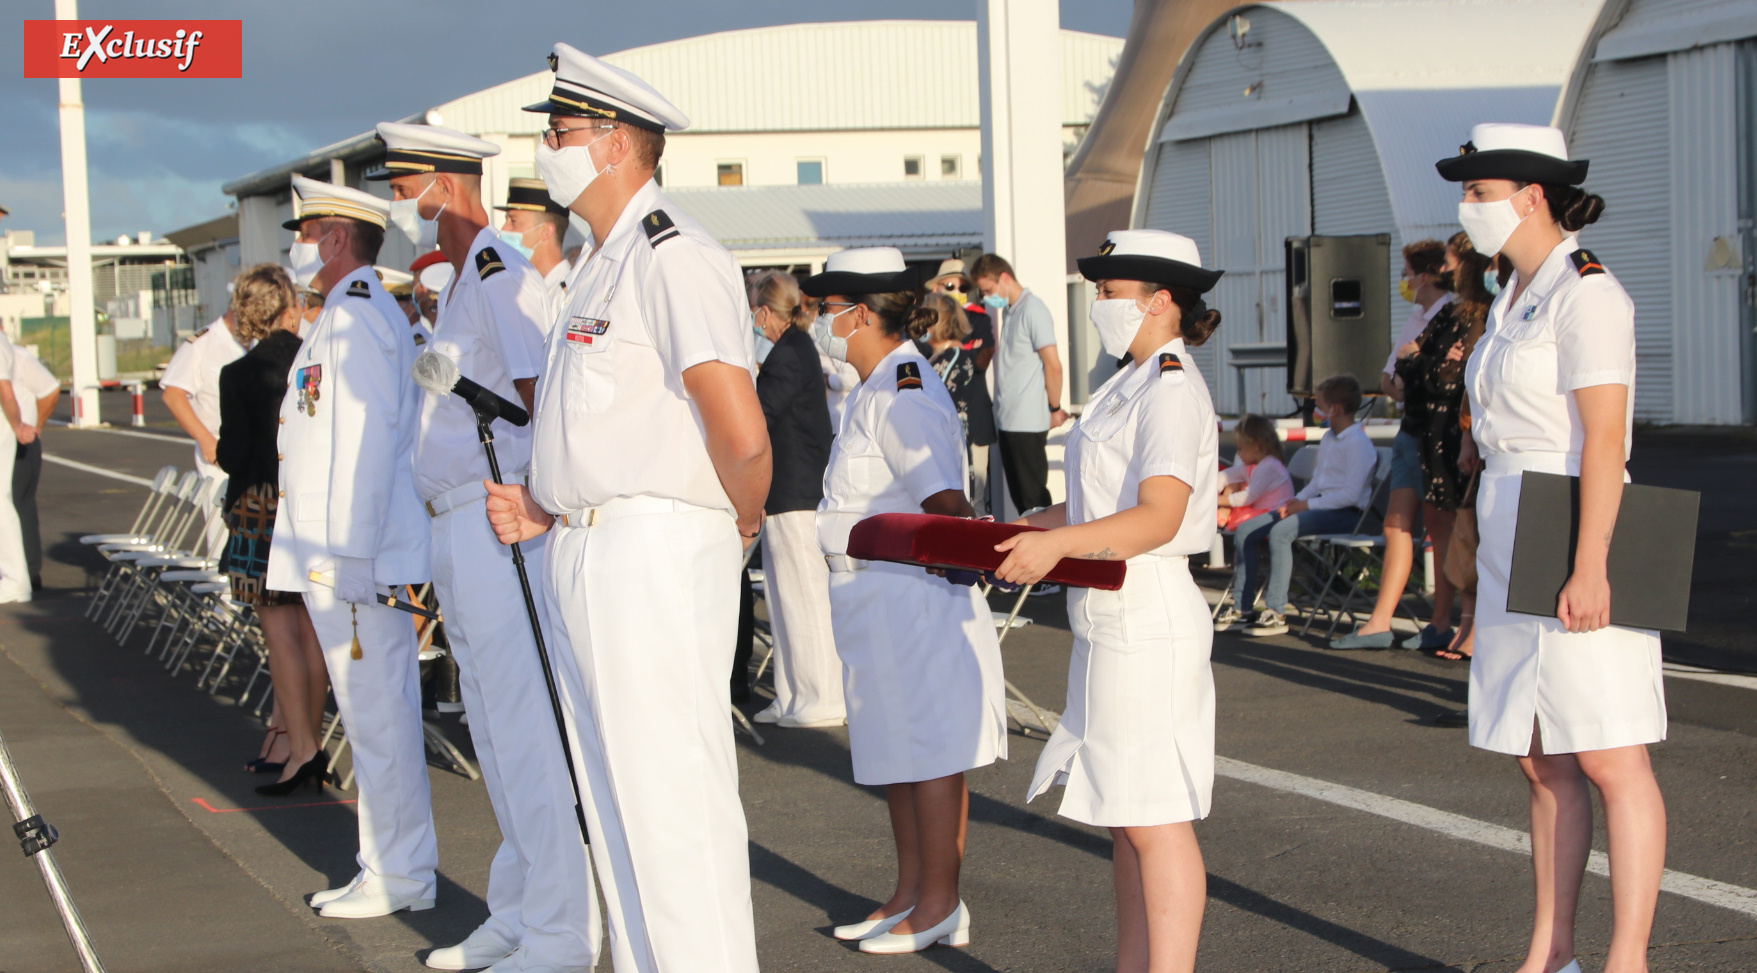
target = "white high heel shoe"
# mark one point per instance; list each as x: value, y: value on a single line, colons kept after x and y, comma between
x: 954, y: 930
x: 871, y: 927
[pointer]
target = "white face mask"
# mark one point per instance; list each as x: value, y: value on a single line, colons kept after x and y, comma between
x: 1489, y: 225
x: 406, y: 214
x: 823, y: 332
x: 304, y: 260
x: 567, y: 171
x: 1117, y: 322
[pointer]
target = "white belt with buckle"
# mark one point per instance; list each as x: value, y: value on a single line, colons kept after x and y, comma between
x: 623, y: 507
x: 842, y: 563
x: 459, y: 496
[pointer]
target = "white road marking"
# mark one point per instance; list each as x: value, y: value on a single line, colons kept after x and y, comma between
x: 1709, y: 891
x: 99, y: 470
x: 166, y: 437
x: 1680, y: 671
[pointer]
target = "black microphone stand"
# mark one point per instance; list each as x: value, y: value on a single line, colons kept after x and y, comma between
x: 518, y: 560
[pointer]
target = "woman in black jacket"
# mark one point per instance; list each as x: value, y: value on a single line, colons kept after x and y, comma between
x: 808, y: 672
x: 268, y: 315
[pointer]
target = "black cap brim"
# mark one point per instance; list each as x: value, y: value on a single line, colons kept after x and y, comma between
x: 1152, y: 270
x: 1518, y: 165
x: 850, y: 284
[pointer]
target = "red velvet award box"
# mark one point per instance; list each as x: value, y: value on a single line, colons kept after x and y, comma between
x: 933, y: 541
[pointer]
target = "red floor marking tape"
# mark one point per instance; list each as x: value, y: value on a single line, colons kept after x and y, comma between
x: 273, y: 807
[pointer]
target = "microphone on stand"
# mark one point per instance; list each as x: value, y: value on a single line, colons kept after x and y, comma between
x: 438, y: 374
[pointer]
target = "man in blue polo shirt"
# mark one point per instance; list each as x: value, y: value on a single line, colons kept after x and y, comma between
x: 1028, y: 381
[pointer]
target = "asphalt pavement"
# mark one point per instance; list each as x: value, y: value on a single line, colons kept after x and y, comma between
x: 1349, y: 833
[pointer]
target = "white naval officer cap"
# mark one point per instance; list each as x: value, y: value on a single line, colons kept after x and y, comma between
x: 410, y: 150
x: 1153, y: 256
x: 436, y: 276
x: 588, y: 87
x: 864, y: 270
x: 1508, y: 150
x: 313, y: 199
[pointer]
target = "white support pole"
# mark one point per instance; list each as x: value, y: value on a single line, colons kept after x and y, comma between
x: 76, y: 206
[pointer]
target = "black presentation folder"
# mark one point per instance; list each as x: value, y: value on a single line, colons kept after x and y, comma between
x: 1652, y: 551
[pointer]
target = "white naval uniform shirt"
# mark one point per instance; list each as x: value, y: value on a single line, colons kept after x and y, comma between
x: 896, y: 446
x: 347, y: 477
x: 1155, y: 418
x: 493, y: 322
x: 195, y: 368
x: 613, y: 418
x: 555, y: 290
x: 1566, y: 332
x: 31, y: 380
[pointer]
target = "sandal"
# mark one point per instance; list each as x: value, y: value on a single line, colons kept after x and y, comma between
x: 1447, y: 653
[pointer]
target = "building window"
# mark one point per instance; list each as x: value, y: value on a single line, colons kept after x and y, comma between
x: 811, y: 171
x: 730, y: 173
x: 951, y: 167
x: 912, y: 167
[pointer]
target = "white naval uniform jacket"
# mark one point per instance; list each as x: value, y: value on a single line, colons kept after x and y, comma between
x: 613, y: 418
x: 493, y: 322
x: 347, y: 479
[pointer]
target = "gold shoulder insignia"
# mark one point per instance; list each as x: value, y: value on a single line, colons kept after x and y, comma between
x: 659, y: 227
x: 908, y: 376
x: 1585, y: 264
x: 359, y: 288
x: 488, y: 263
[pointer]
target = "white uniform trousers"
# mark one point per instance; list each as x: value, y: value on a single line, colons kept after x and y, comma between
x: 796, y: 585
x: 379, y: 696
x: 540, y: 883
x: 1585, y: 690
x: 647, y: 602
x: 15, y: 581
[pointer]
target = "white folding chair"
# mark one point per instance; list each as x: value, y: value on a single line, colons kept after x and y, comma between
x: 155, y: 513
x: 1350, y: 558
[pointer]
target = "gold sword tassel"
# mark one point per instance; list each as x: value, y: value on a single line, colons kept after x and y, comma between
x: 354, y: 613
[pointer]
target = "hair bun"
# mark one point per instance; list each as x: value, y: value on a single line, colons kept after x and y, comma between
x: 1199, y: 324
x: 921, y: 320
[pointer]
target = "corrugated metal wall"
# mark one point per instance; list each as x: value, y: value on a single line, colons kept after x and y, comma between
x: 1349, y: 197
x: 1707, y: 363
x: 812, y: 77
x: 1178, y: 201
x: 1281, y: 54
x: 1622, y: 125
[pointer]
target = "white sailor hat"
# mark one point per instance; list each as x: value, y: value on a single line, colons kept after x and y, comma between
x: 1522, y: 153
x: 410, y: 150
x: 313, y: 199
x: 1152, y: 256
x: 864, y: 270
x: 434, y: 277
x: 590, y: 88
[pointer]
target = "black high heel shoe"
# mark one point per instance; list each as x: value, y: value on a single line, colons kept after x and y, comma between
x: 262, y: 765
x: 310, y: 772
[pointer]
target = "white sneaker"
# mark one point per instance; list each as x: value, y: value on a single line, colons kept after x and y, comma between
x: 1229, y: 619
x: 484, y: 947
x: 1267, y: 623
x: 770, y: 713
x: 361, y: 904
x: 797, y: 723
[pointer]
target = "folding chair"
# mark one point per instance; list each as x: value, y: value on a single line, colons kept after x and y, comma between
x: 150, y: 587
x: 155, y: 514
x: 1299, y: 470
x: 133, y: 580
x: 1350, y: 558
x: 1020, y: 706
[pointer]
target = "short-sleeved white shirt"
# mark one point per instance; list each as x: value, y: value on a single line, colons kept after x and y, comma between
x: 896, y: 446
x: 195, y: 369
x: 1153, y: 418
x: 555, y: 289
x: 1567, y: 331
x: 613, y: 418
x: 493, y: 321
x: 31, y: 380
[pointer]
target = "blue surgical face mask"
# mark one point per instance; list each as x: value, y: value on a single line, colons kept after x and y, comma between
x: 1492, y: 281
x: 998, y: 302
x: 763, y: 344
x: 516, y: 240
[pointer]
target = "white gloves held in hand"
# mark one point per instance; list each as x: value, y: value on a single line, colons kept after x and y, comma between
x: 354, y: 582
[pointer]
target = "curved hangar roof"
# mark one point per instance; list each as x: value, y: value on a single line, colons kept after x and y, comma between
x: 1400, y: 61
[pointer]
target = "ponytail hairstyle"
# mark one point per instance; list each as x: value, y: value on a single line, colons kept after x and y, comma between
x: 1572, y: 207
x: 1197, y: 321
x: 899, y: 315
x: 949, y: 321
x: 778, y: 291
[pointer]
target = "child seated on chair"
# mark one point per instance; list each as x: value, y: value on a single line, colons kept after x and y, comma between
x: 1340, y: 488
x: 1258, y: 482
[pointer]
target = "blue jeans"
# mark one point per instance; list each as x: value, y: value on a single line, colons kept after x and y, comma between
x: 1280, y: 534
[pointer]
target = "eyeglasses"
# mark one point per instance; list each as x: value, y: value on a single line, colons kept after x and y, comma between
x: 553, y: 135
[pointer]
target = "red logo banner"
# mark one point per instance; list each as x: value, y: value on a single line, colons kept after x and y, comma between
x: 134, y: 48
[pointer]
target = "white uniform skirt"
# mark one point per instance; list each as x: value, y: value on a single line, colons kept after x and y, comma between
x: 921, y: 674
x: 1585, y: 691
x: 1136, y: 745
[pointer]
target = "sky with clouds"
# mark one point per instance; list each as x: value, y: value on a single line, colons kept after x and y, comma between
x: 316, y: 71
